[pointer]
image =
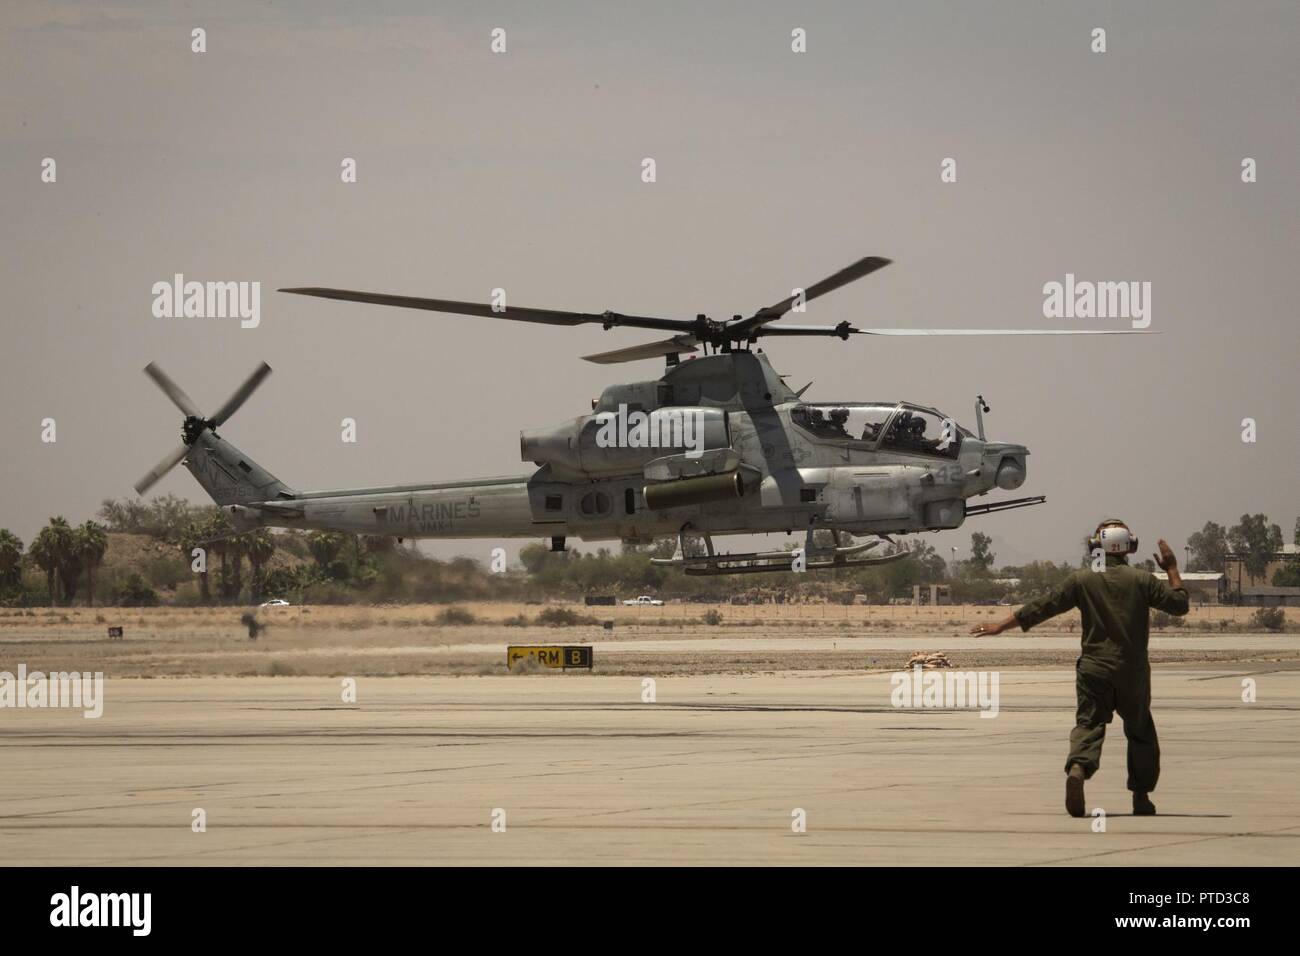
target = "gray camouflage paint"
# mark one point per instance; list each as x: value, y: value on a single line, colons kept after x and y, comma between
x: 854, y: 485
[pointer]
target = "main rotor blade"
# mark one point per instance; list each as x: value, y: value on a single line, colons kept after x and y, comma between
x: 862, y: 267
x: 517, y: 312
x: 172, y: 390
x: 844, y: 330
x: 169, y: 462
x: 241, y: 395
x: 1002, y: 331
x: 674, y: 346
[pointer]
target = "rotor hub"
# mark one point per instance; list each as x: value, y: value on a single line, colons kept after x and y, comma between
x: 193, y: 427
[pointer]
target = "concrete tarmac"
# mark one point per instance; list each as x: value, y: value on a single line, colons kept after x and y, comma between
x: 950, y: 643
x: 581, y: 771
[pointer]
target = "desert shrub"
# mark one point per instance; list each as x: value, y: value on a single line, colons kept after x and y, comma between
x: 712, y: 617
x: 562, y: 617
x: 518, y: 620
x: 280, y: 669
x: 1269, y: 619
x: 135, y: 593
x: 455, y: 616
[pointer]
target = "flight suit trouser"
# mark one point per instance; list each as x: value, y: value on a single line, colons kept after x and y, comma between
x: 1104, y: 687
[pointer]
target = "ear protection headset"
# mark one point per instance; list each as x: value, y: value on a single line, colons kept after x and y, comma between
x: 1113, y: 537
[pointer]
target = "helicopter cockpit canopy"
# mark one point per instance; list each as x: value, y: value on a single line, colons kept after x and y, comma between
x: 901, y: 427
x: 859, y: 423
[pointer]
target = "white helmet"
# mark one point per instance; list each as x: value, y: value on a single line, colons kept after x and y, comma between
x: 1114, y: 537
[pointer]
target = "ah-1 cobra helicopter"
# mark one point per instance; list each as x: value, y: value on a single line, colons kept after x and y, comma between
x: 717, y: 445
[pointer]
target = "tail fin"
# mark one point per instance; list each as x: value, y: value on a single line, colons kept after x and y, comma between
x: 228, y: 475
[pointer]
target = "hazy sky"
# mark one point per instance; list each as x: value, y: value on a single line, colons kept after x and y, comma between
x: 522, y: 170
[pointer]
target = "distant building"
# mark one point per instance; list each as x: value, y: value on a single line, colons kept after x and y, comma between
x: 1238, y: 578
x: 931, y: 595
x: 1203, y: 587
x: 1270, y: 596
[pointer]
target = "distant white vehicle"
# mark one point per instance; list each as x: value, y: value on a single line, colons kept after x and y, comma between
x: 275, y: 602
x: 644, y: 600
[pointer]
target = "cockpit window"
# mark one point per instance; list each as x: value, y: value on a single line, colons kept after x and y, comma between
x: 921, y: 432
x: 859, y: 423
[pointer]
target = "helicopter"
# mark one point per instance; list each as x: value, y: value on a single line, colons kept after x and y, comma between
x: 717, y: 445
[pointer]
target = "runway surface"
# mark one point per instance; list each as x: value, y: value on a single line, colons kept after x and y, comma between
x: 1015, y: 641
x: 586, y: 773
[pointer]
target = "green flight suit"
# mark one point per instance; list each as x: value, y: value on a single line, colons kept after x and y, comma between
x: 1113, y: 672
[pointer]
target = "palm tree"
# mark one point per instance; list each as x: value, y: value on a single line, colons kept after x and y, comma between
x: 235, y: 546
x: 325, y: 546
x: 92, y: 544
x: 69, y: 557
x: 45, y: 553
x: 216, y: 532
x: 192, y: 536
x: 11, y: 559
x: 259, y: 545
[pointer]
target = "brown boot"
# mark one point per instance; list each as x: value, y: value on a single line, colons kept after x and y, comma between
x: 1142, y: 805
x: 1074, y: 804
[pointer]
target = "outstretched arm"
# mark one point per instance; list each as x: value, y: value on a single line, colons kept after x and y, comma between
x: 997, y: 628
x: 1057, y: 602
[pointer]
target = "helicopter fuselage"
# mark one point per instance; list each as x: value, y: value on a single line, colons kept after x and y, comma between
x: 718, y: 445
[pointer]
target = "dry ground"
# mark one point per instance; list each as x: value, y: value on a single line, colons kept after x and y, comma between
x: 409, y: 639
x: 777, y: 708
x: 582, y: 770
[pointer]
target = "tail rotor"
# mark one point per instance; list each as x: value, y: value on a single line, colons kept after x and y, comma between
x: 195, y: 423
